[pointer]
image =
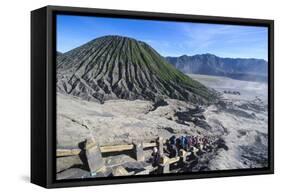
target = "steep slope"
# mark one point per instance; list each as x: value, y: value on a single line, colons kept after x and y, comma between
x: 112, y: 67
x: 208, y: 64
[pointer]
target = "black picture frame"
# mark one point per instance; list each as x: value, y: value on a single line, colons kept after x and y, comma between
x: 43, y: 95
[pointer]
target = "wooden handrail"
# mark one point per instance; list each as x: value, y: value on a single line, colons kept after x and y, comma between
x: 116, y: 148
x: 173, y: 160
x: 104, y: 149
x: 67, y: 152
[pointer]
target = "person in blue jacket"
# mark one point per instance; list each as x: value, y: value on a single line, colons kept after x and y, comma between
x: 183, y: 142
x: 188, y: 143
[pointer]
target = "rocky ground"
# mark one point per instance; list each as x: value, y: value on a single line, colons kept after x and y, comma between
x: 240, y: 121
x: 245, y: 118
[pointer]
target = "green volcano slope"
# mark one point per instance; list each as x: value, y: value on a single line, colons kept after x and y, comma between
x: 115, y: 67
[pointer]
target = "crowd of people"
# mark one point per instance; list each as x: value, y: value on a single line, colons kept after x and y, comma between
x: 189, y: 143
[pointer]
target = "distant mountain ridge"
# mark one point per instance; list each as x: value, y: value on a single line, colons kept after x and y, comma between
x: 209, y: 64
x: 115, y: 67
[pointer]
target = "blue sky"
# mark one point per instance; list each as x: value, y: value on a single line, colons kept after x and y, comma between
x: 168, y: 38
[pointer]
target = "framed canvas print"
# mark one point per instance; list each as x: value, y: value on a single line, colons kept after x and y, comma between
x: 125, y: 96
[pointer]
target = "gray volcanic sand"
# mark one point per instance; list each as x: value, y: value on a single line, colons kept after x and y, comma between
x: 243, y: 128
x: 247, y: 138
x: 248, y: 89
x: 115, y: 121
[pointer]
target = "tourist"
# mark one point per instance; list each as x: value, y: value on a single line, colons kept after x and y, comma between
x: 173, y: 147
x: 183, y: 142
x: 155, y: 157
